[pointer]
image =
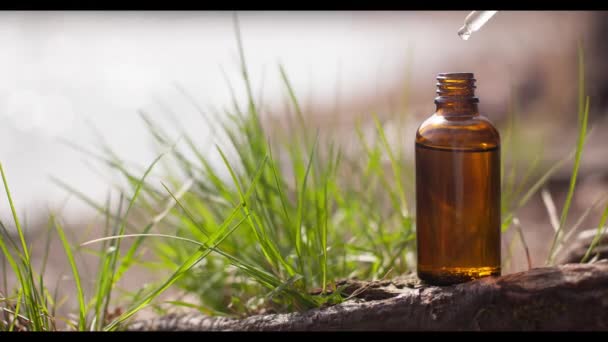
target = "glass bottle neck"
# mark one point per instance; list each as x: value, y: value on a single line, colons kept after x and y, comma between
x: 462, y: 107
x: 456, y: 95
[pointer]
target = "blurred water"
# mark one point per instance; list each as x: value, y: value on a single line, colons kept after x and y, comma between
x: 60, y: 70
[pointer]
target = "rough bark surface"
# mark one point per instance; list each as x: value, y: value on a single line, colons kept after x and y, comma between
x: 566, y: 297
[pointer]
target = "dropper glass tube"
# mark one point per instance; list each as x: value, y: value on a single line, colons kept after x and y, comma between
x: 473, y: 22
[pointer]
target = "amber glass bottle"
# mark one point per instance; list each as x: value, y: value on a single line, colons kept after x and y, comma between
x: 457, y: 187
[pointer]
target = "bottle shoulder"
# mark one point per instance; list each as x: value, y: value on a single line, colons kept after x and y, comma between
x: 468, y: 133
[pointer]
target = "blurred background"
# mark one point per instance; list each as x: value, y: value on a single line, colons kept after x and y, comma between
x: 77, y: 78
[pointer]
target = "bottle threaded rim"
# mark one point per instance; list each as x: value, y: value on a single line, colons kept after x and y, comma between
x: 456, y: 76
x: 456, y: 86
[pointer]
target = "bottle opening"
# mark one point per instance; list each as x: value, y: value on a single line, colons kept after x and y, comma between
x: 456, y: 75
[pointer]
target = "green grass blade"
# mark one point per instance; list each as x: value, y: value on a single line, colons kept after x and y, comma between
x: 394, y: 165
x: 301, y: 205
x: 601, y: 231
x: 187, y: 265
x: 17, y: 310
x: 244, y: 71
x: 292, y: 95
x: 80, y: 294
x: 577, y: 160
x: 13, y: 264
x: 15, y: 217
x: 123, y: 223
x: 279, y: 186
x: 578, y: 223
x: 534, y: 189
x: 115, y: 237
x: 324, y: 238
x: 79, y: 194
x: 128, y: 259
x: 246, y: 210
x: 27, y: 283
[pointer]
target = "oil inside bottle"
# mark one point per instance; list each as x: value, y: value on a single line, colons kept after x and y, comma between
x: 458, y: 209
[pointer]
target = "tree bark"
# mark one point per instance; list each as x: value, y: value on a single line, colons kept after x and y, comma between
x: 565, y: 297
